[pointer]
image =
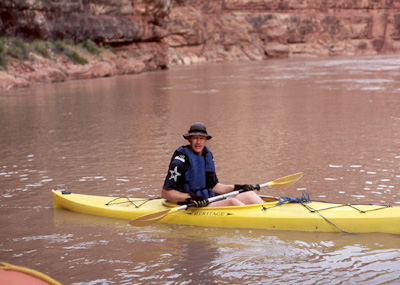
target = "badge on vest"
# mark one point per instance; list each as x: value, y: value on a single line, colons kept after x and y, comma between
x: 174, y: 174
x: 180, y: 157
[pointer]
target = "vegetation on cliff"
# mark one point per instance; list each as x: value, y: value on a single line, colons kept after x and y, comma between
x: 20, y: 49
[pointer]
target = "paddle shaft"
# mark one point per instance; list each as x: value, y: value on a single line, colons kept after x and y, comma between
x: 221, y: 197
x: 282, y: 182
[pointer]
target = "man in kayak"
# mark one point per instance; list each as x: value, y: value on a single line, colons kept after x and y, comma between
x: 192, y: 179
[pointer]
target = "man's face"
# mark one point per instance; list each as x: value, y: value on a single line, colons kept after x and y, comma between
x: 197, y: 143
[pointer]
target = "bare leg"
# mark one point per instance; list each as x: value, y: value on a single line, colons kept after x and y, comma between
x: 250, y: 197
x: 245, y: 198
x: 227, y: 202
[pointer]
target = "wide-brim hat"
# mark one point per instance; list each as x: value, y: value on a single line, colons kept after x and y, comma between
x: 197, y: 129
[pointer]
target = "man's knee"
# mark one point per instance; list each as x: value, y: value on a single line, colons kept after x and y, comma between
x: 236, y: 202
x: 250, y: 197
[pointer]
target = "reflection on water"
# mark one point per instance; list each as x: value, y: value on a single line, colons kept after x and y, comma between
x: 337, y: 120
x: 221, y: 256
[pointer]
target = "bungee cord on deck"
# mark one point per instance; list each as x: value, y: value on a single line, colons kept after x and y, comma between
x: 130, y: 201
x: 305, y: 199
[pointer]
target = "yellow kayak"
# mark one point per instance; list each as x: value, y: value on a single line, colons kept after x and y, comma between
x: 274, y: 214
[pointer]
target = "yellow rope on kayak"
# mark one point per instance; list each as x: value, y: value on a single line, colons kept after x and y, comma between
x: 44, y: 277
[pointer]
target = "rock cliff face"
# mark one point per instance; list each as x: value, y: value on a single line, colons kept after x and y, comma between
x: 133, y: 28
x: 261, y: 29
x: 154, y: 34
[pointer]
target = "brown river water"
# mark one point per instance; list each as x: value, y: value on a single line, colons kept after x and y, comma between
x: 337, y: 120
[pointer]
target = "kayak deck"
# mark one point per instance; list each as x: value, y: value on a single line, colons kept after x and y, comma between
x: 313, y: 216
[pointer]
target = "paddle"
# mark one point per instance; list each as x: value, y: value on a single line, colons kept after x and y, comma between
x: 152, y: 218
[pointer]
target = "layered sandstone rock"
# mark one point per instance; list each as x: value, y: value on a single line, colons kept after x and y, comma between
x: 134, y: 28
x: 154, y: 34
x: 261, y: 29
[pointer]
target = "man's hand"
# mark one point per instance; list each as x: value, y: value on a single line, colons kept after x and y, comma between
x: 246, y: 187
x: 198, y: 201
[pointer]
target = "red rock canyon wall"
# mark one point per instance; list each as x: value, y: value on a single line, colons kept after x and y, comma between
x: 154, y: 34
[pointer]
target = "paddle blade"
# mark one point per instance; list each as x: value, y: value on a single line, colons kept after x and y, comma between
x: 149, y: 219
x: 286, y: 181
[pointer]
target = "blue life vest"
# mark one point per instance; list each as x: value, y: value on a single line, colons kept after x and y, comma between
x: 195, y: 177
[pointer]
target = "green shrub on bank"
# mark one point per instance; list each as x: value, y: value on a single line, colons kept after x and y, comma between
x: 75, y: 57
x: 91, y: 47
x: 19, y: 49
x: 59, y: 47
x: 3, y: 54
x: 110, y: 48
x: 41, y: 47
